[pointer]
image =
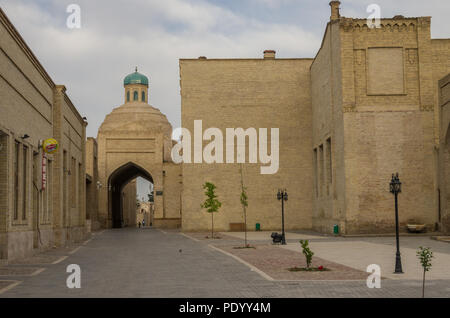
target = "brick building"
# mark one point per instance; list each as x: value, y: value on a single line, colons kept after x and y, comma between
x: 444, y: 153
x: 366, y: 106
x: 372, y: 102
x: 35, y: 214
x: 134, y: 141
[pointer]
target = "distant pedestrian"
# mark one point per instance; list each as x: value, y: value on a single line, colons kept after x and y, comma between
x: 139, y: 224
x: 143, y: 223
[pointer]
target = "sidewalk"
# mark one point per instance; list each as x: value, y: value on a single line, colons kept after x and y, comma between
x: 359, y: 255
x: 359, y: 252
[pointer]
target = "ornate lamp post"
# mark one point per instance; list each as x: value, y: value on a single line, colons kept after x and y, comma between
x: 395, y: 188
x: 283, y: 196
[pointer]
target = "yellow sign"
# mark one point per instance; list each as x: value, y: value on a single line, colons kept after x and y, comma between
x: 50, y: 145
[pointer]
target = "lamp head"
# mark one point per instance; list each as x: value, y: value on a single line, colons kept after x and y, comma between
x: 395, y: 186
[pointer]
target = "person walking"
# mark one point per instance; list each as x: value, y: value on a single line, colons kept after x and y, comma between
x: 143, y: 223
x: 139, y: 224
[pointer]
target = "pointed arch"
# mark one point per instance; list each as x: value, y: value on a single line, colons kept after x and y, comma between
x: 116, y: 183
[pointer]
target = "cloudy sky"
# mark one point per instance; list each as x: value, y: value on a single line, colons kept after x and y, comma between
x: 116, y: 36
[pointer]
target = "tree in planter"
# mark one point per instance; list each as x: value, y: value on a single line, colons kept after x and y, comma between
x: 211, y: 203
x: 425, y: 255
x: 244, y: 204
x: 307, y: 252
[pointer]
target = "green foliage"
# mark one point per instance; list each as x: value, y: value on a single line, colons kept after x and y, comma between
x: 244, y: 197
x: 307, y: 252
x: 244, y: 204
x: 211, y: 204
x: 425, y: 255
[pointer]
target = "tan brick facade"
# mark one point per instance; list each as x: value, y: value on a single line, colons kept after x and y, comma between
x: 32, y: 109
x: 372, y: 102
x: 260, y: 93
x: 365, y: 107
x: 444, y: 154
x: 135, y: 140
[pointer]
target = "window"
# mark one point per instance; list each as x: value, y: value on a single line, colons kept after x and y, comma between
x: 24, y: 182
x: 3, y: 172
x: 143, y: 96
x: 73, y: 183
x: 80, y: 188
x: 128, y: 96
x: 65, y: 188
x: 135, y: 95
x: 16, y: 180
x: 321, y: 174
x: 328, y: 164
x: 316, y: 181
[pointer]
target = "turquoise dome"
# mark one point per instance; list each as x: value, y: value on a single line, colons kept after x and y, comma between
x: 135, y: 78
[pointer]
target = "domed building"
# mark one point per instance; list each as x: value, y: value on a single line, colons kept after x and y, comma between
x: 134, y: 141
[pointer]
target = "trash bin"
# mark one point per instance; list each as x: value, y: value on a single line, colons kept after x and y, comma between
x: 258, y: 227
x: 336, y: 229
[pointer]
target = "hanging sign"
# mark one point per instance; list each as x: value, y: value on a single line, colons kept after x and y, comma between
x: 44, y: 171
x: 50, y: 145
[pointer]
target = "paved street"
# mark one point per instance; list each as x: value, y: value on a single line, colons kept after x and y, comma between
x: 153, y: 263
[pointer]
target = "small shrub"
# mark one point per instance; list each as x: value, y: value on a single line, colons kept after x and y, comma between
x: 307, y: 252
x: 425, y: 255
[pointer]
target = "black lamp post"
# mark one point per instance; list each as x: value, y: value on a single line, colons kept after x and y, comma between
x: 396, y: 187
x: 283, y: 196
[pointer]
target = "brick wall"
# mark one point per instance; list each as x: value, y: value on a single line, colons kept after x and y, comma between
x: 444, y: 153
x: 388, y: 131
x: 243, y: 93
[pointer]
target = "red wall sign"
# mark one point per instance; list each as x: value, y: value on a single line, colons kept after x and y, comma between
x: 44, y: 171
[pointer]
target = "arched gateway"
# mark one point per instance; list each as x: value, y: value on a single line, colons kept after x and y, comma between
x: 134, y: 141
x: 118, y: 180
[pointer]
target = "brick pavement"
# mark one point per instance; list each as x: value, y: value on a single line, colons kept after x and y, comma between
x: 148, y: 263
x: 275, y: 262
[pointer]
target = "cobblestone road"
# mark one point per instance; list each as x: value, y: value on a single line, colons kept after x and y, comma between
x: 154, y: 263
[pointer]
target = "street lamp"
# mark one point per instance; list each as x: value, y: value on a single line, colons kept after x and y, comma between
x: 395, y: 187
x: 283, y: 196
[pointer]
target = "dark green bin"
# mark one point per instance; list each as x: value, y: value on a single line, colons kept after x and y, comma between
x: 336, y: 229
